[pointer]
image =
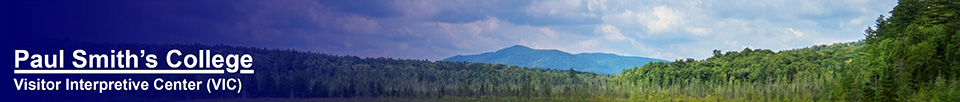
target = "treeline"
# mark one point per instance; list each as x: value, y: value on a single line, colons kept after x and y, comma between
x: 295, y: 74
x: 760, y: 74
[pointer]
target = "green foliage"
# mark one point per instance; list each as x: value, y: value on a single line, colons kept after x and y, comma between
x: 798, y: 74
x: 907, y: 53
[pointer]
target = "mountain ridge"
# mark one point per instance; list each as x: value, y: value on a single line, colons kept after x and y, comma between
x: 603, y: 63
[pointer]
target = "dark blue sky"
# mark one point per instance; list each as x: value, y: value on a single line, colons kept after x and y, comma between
x: 435, y: 29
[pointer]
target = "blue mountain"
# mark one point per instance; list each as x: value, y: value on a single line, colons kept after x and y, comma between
x: 602, y: 63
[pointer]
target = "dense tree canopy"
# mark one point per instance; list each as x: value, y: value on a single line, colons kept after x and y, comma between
x: 909, y: 52
x: 804, y: 72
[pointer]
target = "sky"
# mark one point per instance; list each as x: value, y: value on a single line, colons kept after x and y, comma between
x: 436, y: 29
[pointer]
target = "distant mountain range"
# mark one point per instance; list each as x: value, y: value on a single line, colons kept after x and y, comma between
x: 602, y: 63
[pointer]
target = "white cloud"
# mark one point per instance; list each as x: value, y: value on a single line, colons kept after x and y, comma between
x: 596, y: 4
x: 548, y: 32
x: 561, y: 8
x: 795, y: 32
x: 357, y: 24
x: 857, y: 21
x: 554, y: 7
x: 474, y: 31
x: 698, y: 31
x: 661, y: 19
x: 611, y: 32
x: 588, y: 43
x: 733, y: 43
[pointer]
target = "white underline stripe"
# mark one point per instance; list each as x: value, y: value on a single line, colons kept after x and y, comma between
x: 126, y: 71
x: 246, y: 71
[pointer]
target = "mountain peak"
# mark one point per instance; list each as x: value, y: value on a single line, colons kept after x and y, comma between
x: 518, y: 47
